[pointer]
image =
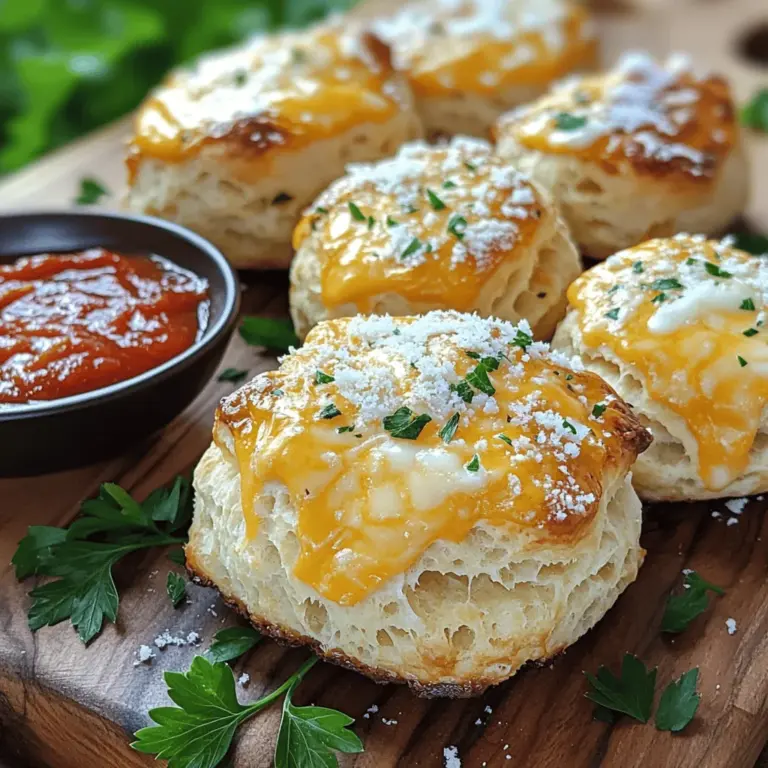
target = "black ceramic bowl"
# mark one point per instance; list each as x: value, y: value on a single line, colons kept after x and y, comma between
x: 60, y: 434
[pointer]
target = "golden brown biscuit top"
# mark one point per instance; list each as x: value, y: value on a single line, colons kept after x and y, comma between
x: 390, y: 434
x: 661, y: 119
x: 482, y: 46
x: 689, y: 315
x: 277, y: 93
x: 431, y: 224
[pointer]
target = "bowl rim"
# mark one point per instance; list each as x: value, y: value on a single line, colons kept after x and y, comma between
x: 213, y: 333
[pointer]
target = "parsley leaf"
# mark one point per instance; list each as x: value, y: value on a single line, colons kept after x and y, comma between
x: 405, y: 424
x: 234, y: 375
x: 392, y: 222
x: 630, y: 694
x: 742, y: 361
x: 413, y: 246
x: 750, y: 332
x: 323, y: 378
x: 231, y: 643
x: 463, y: 390
x: 678, y: 703
x: 715, y: 271
x: 755, y: 113
x: 457, y: 225
x: 598, y: 410
x: 449, y: 184
x: 342, y: 430
x: 478, y: 377
x: 357, y: 214
x: 449, y: 430
x: 682, y: 609
x: 747, y: 304
x: 504, y: 438
x: 329, y: 412
x: 435, y: 201
x: 667, y: 284
x: 565, y: 121
x: 638, y: 267
x: 269, y: 332
x: 751, y: 243
x: 176, y: 588
x: 91, y: 192
x: 308, y: 736
x: 567, y: 425
x: 473, y: 465
x: 522, y: 340
x: 80, y: 557
x: 613, y: 314
x: 470, y: 166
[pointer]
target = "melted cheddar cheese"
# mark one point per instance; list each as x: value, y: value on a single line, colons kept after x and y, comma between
x: 432, y: 224
x: 483, y: 46
x: 279, y: 93
x: 688, y: 316
x: 660, y: 119
x: 390, y: 434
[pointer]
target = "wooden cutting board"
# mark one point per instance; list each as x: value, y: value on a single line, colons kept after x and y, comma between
x: 66, y: 706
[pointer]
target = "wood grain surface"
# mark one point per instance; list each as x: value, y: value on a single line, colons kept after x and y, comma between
x: 67, y: 706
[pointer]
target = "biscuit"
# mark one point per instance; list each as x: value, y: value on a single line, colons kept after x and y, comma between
x: 469, y: 61
x: 432, y: 500
x: 446, y: 227
x: 676, y: 327
x: 236, y: 147
x: 646, y: 150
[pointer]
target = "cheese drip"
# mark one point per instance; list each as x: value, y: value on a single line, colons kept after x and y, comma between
x: 369, y: 502
x: 687, y: 315
x: 278, y: 93
x: 432, y: 224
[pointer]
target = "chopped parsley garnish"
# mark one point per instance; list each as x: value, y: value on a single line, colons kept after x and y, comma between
x: 478, y: 377
x: 755, y: 113
x: 715, y: 271
x: 176, y: 587
x: 473, y: 355
x: 567, y: 425
x: 234, y: 375
x: 613, y: 289
x: 747, y: 304
x: 690, y: 260
x: 342, y: 430
x: 392, y: 222
x: 638, y: 267
x: 522, y: 340
x: 751, y: 242
x: 357, y: 214
x: 565, y: 121
x: 449, y: 184
x: 405, y: 424
x: 682, y: 609
x: 474, y: 464
x: 613, y: 314
x: 631, y: 693
x: 91, y: 192
x: 371, y: 222
x: 667, y: 284
x: 241, y: 77
x: 457, y: 225
x: 449, y: 430
x: 329, y: 412
x: 504, y: 438
x: 678, y: 702
x: 659, y: 298
x: 435, y: 201
x: 598, y: 410
x: 411, y: 209
x: 751, y: 332
x: 742, y: 361
x: 413, y: 246
x: 463, y: 390
x: 323, y: 378
x: 320, y: 209
x: 469, y: 166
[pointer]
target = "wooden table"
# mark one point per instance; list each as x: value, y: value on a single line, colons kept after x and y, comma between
x: 66, y: 706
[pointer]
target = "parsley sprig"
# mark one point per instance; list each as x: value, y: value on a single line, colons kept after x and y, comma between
x: 198, y: 731
x: 682, y: 609
x: 631, y: 693
x: 80, y: 558
x: 679, y: 702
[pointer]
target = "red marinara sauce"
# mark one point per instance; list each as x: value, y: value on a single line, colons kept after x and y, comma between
x: 72, y: 323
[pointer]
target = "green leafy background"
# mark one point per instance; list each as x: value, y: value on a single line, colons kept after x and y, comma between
x: 68, y: 66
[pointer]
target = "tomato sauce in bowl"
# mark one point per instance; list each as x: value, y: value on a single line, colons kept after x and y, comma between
x: 77, y: 322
